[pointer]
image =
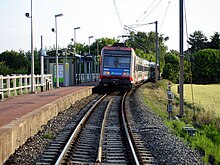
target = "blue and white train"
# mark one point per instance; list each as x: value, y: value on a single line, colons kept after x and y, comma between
x: 121, y: 67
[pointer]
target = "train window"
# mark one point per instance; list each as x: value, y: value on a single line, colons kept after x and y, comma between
x: 124, y: 62
x: 116, y: 62
x: 146, y: 68
x: 110, y: 61
x: 140, y: 68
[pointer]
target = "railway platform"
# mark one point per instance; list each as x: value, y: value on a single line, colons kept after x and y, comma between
x: 22, y: 116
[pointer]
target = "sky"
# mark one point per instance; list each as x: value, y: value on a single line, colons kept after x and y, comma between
x: 100, y: 18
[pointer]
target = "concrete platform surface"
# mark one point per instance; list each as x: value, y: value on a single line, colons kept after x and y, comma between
x: 22, y: 116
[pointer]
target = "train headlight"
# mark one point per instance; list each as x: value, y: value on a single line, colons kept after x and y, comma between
x: 125, y: 74
x: 106, y: 73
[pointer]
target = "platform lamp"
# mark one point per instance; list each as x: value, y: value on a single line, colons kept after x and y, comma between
x: 30, y: 15
x: 90, y: 64
x: 79, y: 74
x: 55, y: 30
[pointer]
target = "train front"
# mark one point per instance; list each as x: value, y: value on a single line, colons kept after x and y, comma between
x: 115, y: 67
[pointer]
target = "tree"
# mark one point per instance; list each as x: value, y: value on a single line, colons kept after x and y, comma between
x: 4, y: 70
x: 198, y: 41
x: 171, y: 68
x: 215, y: 41
x: 18, y: 63
x: 206, y: 66
x: 101, y: 43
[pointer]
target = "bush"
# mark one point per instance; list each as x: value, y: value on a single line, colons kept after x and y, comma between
x: 206, y: 66
x: 4, y: 70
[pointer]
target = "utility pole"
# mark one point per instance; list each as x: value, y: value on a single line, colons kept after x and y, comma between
x: 30, y: 15
x: 156, y: 69
x: 42, y: 65
x: 181, y: 77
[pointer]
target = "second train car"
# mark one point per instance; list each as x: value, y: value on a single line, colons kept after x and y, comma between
x: 121, y: 67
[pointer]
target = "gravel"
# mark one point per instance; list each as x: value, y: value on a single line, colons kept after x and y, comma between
x: 165, y: 147
x: 28, y: 153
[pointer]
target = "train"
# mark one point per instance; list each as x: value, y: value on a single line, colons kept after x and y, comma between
x: 120, y: 67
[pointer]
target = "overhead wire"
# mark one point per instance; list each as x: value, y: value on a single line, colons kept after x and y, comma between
x: 164, y: 15
x: 118, y: 15
x: 131, y: 28
x: 150, y: 12
x: 136, y: 42
x: 146, y: 10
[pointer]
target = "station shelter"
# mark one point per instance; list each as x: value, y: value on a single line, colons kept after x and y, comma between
x: 70, y: 67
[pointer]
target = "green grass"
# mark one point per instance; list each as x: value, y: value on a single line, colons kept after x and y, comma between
x: 207, y: 138
x: 205, y: 96
x: 48, y: 135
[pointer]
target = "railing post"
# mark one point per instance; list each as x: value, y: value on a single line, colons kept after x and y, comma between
x: 29, y: 83
x: 8, y: 86
x: 25, y: 84
x: 1, y: 88
x: 14, y: 85
x: 20, y: 84
x: 38, y: 81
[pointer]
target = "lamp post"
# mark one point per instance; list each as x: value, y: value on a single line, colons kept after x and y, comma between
x: 89, y: 42
x: 79, y: 77
x: 75, y: 37
x: 55, y: 30
x: 32, y: 50
x: 90, y: 63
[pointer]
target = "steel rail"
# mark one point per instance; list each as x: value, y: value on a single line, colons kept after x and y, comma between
x: 74, y: 134
x: 127, y: 132
x: 99, y: 157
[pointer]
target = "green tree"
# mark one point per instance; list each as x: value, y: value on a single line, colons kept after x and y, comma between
x: 4, y: 70
x: 18, y: 63
x: 206, y: 66
x: 171, y: 68
x: 101, y: 42
x: 197, y: 41
x: 215, y: 41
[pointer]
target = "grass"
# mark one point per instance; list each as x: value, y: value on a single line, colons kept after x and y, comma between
x: 205, y: 96
x: 207, y: 123
x: 48, y: 135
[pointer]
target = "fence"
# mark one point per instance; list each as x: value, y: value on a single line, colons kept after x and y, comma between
x: 89, y: 77
x: 20, y: 84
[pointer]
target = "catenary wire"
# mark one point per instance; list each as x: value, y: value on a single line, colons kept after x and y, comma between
x: 150, y: 12
x: 118, y: 15
x: 146, y: 11
x: 164, y: 15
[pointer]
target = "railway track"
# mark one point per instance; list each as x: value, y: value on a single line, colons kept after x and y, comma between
x: 101, y: 136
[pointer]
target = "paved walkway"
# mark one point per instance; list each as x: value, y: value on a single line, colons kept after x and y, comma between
x: 15, y: 107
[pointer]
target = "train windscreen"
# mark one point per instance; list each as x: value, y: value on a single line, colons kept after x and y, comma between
x: 117, y: 61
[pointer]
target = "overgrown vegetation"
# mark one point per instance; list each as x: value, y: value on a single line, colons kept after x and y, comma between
x: 48, y: 135
x: 206, y: 140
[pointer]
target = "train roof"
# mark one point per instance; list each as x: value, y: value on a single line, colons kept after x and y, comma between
x: 118, y: 46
